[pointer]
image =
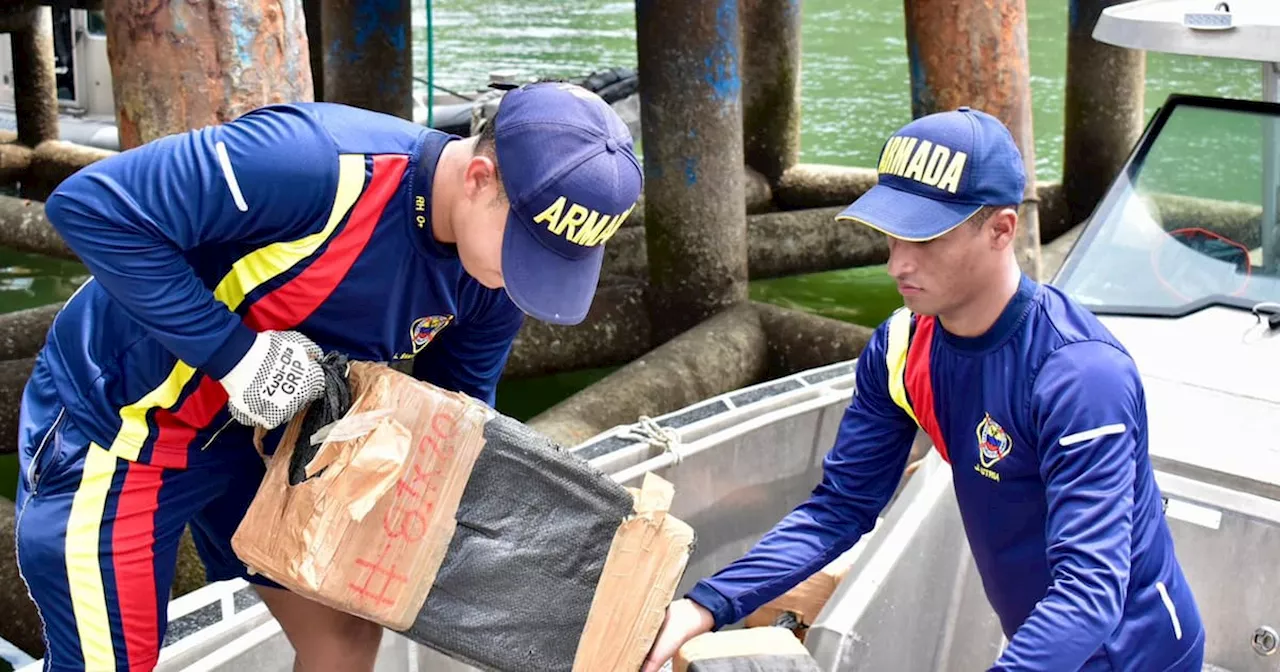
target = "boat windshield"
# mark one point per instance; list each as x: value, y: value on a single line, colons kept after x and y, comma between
x: 1192, y: 220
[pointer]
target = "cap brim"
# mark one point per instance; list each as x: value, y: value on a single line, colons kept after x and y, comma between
x: 544, y: 284
x: 906, y: 216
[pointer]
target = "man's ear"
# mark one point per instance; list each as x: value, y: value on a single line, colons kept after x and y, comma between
x: 1004, y: 225
x: 480, y: 175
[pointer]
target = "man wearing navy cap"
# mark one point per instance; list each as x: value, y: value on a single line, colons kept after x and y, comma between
x: 223, y: 261
x: 1037, y: 408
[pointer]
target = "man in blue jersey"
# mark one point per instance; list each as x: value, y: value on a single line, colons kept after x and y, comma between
x: 224, y: 260
x: 1038, y: 409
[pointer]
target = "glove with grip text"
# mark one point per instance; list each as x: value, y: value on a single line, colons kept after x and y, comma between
x: 275, y: 380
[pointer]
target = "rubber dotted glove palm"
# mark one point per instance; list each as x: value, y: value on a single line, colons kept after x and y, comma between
x: 275, y: 380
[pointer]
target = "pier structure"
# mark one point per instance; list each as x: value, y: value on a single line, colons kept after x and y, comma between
x: 726, y: 199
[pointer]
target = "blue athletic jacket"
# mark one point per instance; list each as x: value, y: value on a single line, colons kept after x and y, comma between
x: 1043, y: 421
x: 311, y: 217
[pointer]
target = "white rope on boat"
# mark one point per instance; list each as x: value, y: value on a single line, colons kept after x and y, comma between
x: 649, y: 431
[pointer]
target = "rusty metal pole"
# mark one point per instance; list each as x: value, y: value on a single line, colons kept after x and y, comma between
x: 34, y: 80
x: 182, y: 65
x: 771, y: 85
x: 1103, y: 110
x: 975, y: 54
x: 368, y: 58
x: 691, y: 119
x: 313, y: 11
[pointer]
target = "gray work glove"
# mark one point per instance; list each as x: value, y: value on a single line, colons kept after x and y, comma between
x: 275, y: 380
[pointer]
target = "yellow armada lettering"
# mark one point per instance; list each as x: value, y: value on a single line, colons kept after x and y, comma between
x: 901, y: 151
x: 552, y: 216
x: 915, y: 171
x: 937, y: 163
x: 580, y: 224
x: 921, y: 160
x: 576, y: 216
x: 594, y: 224
x: 951, y: 178
x: 604, y: 233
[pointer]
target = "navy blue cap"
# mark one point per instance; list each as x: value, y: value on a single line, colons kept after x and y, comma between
x: 939, y: 170
x: 571, y: 174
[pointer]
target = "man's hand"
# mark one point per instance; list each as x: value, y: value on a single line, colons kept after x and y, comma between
x: 685, y: 620
x: 275, y: 379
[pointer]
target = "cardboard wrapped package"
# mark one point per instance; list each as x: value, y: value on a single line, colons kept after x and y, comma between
x: 805, y: 601
x: 765, y: 649
x: 429, y: 513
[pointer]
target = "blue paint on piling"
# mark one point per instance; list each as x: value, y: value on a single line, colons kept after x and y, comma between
x: 244, y: 36
x: 722, y: 63
x: 374, y: 17
x: 1073, y: 14
x: 690, y: 170
x: 921, y: 98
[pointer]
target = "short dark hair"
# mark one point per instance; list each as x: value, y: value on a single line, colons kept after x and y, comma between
x: 980, y: 217
x: 487, y: 143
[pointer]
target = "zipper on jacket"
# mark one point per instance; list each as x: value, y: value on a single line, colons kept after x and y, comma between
x: 1173, y: 612
x: 32, y: 476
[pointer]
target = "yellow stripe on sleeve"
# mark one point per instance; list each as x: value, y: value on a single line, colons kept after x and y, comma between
x: 246, y: 274
x: 896, y: 358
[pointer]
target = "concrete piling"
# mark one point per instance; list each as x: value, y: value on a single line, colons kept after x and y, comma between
x: 689, y: 62
x: 185, y: 65
x: 34, y: 80
x: 1103, y: 108
x: 771, y: 84
x: 975, y: 54
x: 368, y: 61
x: 721, y: 354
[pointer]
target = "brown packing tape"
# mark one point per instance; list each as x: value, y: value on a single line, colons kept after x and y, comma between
x: 645, y: 563
x: 738, y: 644
x: 405, y: 469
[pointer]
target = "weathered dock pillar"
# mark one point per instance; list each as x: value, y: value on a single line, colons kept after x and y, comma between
x: 34, y: 81
x: 771, y: 85
x: 368, y: 60
x: 1103, y: 109
x: 691, y: 115
x: 975, y: 54
x: 179, y: 66
x: 313, y: 11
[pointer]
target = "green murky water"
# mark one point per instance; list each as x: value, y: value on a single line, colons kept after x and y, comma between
x: 854, y: 93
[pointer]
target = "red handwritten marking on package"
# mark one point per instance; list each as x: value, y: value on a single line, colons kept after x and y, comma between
x: 405, y: 521
x: 377, y: 569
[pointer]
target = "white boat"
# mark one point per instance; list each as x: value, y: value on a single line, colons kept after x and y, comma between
x: 1181, y: 262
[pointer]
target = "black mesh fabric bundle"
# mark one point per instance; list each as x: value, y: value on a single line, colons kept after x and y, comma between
x: 757, y: 663
x: 534, y: 528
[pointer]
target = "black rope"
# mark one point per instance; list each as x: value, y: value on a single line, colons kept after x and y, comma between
x: 329, y: 408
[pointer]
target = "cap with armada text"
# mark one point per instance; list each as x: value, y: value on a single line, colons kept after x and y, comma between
x: 570, y: 171
x: 939, y: 170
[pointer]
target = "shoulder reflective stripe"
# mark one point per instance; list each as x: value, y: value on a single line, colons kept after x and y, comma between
x: 1090, y: 434
x: 246, y: 274
x: 230, y: 175
x: 896, y: 359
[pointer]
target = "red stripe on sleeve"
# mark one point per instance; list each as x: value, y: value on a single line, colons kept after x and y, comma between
x: 295, y: 300
x: 919, y: 382
x: 284, y: 308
